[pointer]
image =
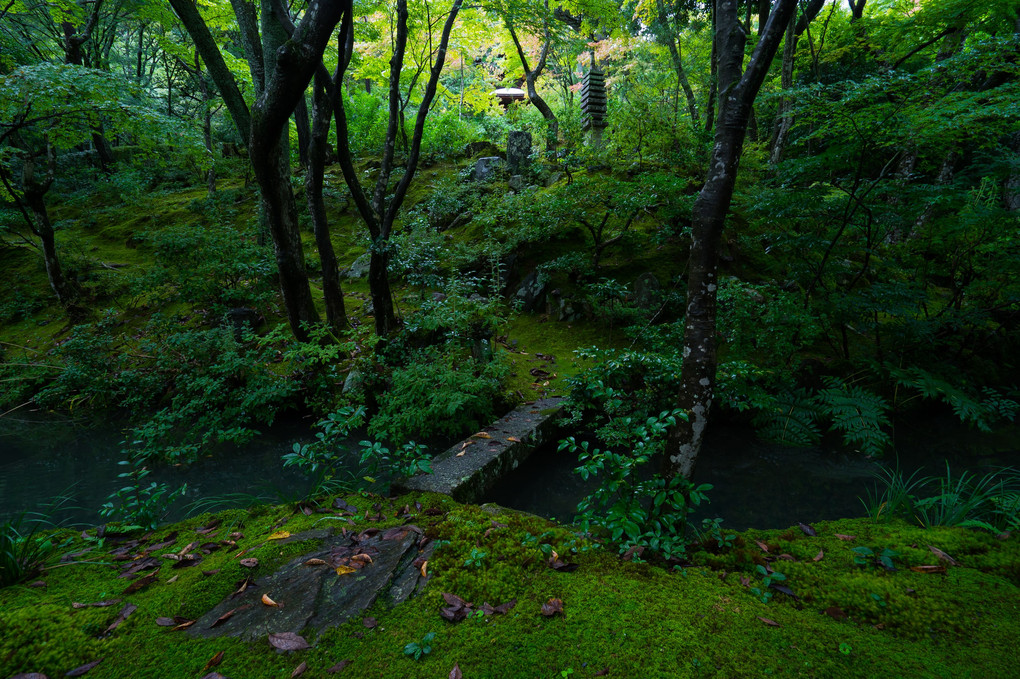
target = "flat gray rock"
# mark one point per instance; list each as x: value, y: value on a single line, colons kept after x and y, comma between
x: 387, y: 564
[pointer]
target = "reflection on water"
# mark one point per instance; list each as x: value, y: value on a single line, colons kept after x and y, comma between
x: 755, y: 484
x: 41, y: 459
x: 764, y: 485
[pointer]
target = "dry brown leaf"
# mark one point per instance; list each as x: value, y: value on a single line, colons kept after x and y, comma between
x: 928, y: 569
x: 770, y: 623
x: 269, y: 602
x: 344, y: 570
x: 315, y: 562
x: 847, y: 538
x: 513, y: 439
x: 279, y: 535
x: 288, y: 641
x: 819, y: 555
x: 184, y: 625
x: 250, y: 563
x: 455, y: 673
x: 424, y: 567
x: 213, y: 661
x: 460, y: 454
x: 299, y: 670
x: 482, y: 435
x: 361, y: 558
x: 942, y: 555
x: 78, y: 671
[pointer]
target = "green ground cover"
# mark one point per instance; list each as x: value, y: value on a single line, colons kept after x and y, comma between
x: 836, y: 614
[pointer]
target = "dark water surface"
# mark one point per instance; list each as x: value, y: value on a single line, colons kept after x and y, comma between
x: 762, y: 485
x: 755, y: 484
x: 45, y: 458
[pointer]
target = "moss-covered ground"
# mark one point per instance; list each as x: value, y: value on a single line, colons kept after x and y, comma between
x: 620, y: 619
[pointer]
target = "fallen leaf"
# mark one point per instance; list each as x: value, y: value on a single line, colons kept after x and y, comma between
x: 250, y: 563
x: 213, y: 661
x: 78, y: 671
x: 269, y: 602
x: 172, y: 580
x: 98, y: 604
x: 636, y: 550
x: 603, y: 672
x: 37, y: 583
x: 209, y: 527
x: 424, y: 569
x: 141, y: 582
x: 505, y: 607
x: 762, y: 546
x: 455, y: 673
x: 229, y: 614
x: 460, y: 454
x: 279, y: 535
x: 836, y: 613
x: 513, y: 439
x: 808, y: 530
x: 928, y: 569
x: 187, y: 548
x: 482, y: 435
x: 786, y: 557
x: 184, y: 625
x: 214, y: 675
x: 942, y: 555
x: 121, y: 617
x: 561, y: 566
x: 315, y: 562
x: 770, y: 623
x: 288, y: 641
x: 370, y: 623
x: 745, y: 581
x: 344, y: 570
x: 339, y: 666
x: 30, y: 675
x: 299, y: 670
x: 242, y: 587
x: 552, y: 607
x: 848, y: 538
x: 362, y: 558
x: 236, y: 536
x: 819, y: 555
x: 210, y: 573
x: 165, y: 622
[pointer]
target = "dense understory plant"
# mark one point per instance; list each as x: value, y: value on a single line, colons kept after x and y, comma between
x: 637, y: 508
x: 991, y: 501
x: 138, y: 505
x: 23, y: 551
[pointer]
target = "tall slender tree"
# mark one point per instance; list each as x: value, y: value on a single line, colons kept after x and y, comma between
x: 737, y: 92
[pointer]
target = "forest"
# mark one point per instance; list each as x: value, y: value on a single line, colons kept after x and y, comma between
x: 331, y: 248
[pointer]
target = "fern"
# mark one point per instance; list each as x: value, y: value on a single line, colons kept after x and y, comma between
x: 790, y: 418
x: 982, y: 410
x: 858, y: 413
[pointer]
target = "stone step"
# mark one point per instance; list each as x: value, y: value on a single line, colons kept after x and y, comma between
x: 467, y: 470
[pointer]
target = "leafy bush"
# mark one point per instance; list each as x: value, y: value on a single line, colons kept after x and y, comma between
x: 438, y: 393
x: 635, y: 508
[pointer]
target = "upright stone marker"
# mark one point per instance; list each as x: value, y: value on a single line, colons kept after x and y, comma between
x: 518, y: 151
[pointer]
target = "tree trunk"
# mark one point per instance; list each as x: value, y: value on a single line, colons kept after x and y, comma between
x: 784, y: 116
x: 736, y: 97
x: 856, y: 9
x: 530, y: 78
x: 322, y: 112
x: 303, y: 130
x: 35, y: 197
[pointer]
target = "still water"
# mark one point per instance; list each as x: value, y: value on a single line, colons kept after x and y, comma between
x: 755, y: 484
x: 43, y: 459
x: 762, y: 485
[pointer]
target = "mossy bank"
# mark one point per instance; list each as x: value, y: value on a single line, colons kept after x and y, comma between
x: 837, y: 613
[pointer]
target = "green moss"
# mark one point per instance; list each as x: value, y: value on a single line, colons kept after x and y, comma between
x: 634, y: 619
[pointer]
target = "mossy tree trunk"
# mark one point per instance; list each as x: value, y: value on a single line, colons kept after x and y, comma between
x: 737, y: 92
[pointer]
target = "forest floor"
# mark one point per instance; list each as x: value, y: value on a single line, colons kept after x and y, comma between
x: 946, y: 608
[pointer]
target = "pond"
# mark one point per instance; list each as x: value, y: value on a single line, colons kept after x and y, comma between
x: 755, y: 484
x: 45, y: 460
x: 762, y: 485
